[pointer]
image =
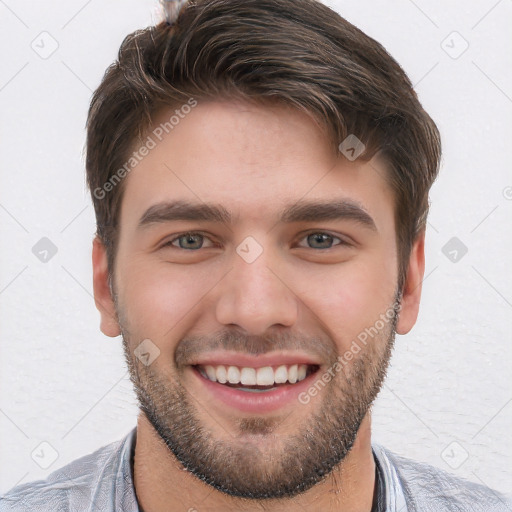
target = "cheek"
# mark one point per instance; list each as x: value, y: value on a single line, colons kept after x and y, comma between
x: 156, y: 297
x: 349, y: 299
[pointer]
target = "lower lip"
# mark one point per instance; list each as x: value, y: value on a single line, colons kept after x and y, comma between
x: 262, y: 402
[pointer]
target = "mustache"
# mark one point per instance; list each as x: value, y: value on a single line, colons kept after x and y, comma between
x: 191, y: 347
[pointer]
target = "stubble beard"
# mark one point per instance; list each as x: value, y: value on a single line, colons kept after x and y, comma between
x: 287, y: 465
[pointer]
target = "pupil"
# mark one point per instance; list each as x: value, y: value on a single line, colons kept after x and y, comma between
x: 190, y: 239
x: 320, y: 237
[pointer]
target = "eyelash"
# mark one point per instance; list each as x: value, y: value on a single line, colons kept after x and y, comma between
x: 305, y: 235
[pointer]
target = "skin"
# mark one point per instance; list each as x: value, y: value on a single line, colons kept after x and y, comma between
x: 254, y: 160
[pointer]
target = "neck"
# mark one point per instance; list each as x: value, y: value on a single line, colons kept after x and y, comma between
x: 163, y: 485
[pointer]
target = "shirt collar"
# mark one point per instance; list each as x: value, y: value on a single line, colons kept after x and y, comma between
x: 394, y: 497
x: 124, y: 495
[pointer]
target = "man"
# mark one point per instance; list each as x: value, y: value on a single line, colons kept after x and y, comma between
x: 260, y: 174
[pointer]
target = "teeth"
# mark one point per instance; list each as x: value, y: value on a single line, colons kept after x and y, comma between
x: 233, y: 375
x: 220, y: 373
x: 248, y: 376
x: 210, y: 371
x: 281, y: 374
x: 264, y: 376
x: 292, y: 374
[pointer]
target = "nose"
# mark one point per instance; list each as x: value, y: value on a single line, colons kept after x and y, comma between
x: 256, y: 296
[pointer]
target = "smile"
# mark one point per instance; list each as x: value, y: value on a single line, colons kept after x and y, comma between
x: 256, y: 379
x: 256, y: 390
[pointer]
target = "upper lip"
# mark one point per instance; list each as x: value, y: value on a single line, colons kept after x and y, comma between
x: 255, y: 361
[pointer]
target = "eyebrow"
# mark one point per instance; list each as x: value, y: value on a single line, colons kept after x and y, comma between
x: 302, y: 211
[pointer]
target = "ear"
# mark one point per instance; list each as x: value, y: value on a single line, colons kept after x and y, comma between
x: 102, y: 294
x: 412, y: 286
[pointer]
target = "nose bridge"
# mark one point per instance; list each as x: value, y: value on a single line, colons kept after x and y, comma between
x: 254, y: 296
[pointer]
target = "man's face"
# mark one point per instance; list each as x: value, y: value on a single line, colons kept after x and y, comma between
x: 258, y: 291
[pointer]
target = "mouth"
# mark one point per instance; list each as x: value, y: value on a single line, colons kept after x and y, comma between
x: 265, y: 378
x: 255, y: 390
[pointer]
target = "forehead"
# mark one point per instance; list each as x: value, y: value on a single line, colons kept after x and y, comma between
x: 251, y: 159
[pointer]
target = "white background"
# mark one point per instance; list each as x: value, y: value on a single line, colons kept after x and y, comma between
x: 63, y: 382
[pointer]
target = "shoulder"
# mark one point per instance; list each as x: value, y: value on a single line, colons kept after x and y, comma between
x: 428, y: 488
x: 71, y: 487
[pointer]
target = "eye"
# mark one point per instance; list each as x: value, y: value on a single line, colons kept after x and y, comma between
x: 193, y: 240
x: 190, y: 240
x: 324, y: 240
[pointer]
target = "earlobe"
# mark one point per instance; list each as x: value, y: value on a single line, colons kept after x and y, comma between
x: 102, y: 293
x: 412, y: 287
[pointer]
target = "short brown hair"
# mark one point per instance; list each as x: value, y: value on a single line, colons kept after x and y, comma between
x: 298, y: 52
